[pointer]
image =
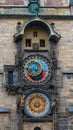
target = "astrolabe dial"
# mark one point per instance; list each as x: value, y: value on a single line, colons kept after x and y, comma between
x: 37, y: 105
x: 36, y: 69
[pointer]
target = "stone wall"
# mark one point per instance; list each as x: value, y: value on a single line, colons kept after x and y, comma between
x: 8, y: 121
x: 43, y: 126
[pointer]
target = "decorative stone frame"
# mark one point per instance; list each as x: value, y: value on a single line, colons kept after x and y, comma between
x: 25, y: 117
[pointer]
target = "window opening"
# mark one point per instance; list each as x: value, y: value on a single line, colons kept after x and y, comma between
x: 37, y: 128
x: 42, y: 43
x: 28, y: 42
x: 10, y: 77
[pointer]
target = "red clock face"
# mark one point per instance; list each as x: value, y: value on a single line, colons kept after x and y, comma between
x: 36, y: 69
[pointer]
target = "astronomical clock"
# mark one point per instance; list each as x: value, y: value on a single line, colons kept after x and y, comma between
x: 36, y: 65
x: 36, y: 69
x: 37, y: 99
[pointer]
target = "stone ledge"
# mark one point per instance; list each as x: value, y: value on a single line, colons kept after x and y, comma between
x: 4, y: 110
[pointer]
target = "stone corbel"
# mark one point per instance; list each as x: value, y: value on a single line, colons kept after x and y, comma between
x: 18, y: 37
x: 54, y: 36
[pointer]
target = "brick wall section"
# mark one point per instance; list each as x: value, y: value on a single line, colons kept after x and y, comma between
x: 7, y: 52
x: 43, y: 126
x: 57, y: 2
x: 45, y: 2
x: 12, y: 2
x: 8, y: 121
x: 54, y: 3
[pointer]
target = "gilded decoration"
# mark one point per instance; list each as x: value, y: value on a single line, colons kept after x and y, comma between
x: 37, y: 105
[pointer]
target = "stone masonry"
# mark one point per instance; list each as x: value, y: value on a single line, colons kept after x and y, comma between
x: 8, y: 51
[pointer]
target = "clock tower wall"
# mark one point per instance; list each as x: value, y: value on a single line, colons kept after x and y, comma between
x: 64, y: 57
x: 36, y: 64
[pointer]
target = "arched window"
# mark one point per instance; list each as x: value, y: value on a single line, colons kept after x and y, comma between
x: 37, y: 128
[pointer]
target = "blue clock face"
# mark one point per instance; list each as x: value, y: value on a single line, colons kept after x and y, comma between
x: 37, y: 104
x: 34, y: 7
x: 33, y: 68
x: 36, y: 69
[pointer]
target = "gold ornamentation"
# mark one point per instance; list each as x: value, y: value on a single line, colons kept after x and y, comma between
x: 22, y: 102
x: 37, y: 104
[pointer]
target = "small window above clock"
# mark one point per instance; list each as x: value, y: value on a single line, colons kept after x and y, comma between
x: 28, y: 42
x: 42, y: 42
